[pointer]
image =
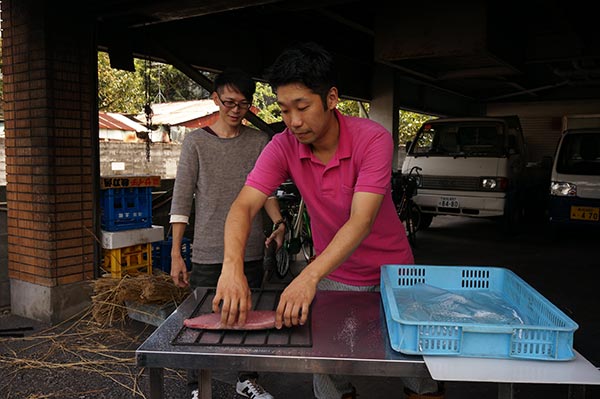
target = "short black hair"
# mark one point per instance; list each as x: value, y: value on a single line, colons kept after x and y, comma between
x: 238, y: 79
x: 306, y: 63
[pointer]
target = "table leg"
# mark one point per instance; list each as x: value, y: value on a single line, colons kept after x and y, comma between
x: 505, y: 391
x: 204, y: 384
x: 576, y: 391
x: 156, y: 383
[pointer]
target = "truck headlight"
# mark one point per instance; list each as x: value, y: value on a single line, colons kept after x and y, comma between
x: 493, y: 183
x: 563, y: 188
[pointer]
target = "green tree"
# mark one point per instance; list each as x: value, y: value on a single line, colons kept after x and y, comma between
x: 119, y: 91
x: 127, y: 92
x: 153, y: 82
x: 353, y: 108
x: 408, y: 125
x: 410, y: 122
x: 165, y: 83
x: 266, y: 102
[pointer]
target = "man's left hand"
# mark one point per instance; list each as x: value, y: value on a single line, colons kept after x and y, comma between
x: 295, y: 300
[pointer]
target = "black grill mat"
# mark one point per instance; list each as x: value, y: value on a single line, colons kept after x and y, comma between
x: 297, y: 336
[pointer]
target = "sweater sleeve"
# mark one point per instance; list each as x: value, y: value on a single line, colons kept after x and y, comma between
x: 186, y: 177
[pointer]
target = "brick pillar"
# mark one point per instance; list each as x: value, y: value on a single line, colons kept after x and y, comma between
x: 49, y: 68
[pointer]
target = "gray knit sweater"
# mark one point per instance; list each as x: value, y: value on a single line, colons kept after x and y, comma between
x: 213, y: 170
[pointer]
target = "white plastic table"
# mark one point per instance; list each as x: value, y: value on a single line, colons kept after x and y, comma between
x: 576, y: 373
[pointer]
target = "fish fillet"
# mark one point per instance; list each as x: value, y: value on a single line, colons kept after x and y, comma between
x: 255, y: 320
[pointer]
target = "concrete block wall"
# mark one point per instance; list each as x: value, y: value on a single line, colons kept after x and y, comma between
x: 163, y: 159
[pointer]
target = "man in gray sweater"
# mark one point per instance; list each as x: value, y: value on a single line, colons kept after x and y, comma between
x: 212, y: 169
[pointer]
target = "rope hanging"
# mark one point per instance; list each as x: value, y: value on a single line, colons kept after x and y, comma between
x: 147, y: 110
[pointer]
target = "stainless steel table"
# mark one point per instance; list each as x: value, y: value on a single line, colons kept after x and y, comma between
x: 346, y: 335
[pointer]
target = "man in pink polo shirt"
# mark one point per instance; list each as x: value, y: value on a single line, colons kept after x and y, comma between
x: 342, y: 167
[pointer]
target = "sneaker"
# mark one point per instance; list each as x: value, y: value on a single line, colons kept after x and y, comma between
x: 410, y: 394
x: 250, y: 389
x: 195, y: 394
x: 350, y: 395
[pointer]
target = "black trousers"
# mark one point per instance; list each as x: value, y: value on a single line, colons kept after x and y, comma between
x: 207, y: 275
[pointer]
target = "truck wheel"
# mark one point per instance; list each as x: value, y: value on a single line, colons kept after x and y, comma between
x: 425, y: 222
x: 421, y: 221
x: 513, y: 218
x: 415, y: 217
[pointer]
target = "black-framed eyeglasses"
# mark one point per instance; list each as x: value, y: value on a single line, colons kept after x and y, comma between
x: 233, y: 104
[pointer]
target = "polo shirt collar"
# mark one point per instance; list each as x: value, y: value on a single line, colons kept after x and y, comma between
x: 344, y: 149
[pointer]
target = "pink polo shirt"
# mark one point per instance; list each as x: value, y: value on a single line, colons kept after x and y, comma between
x: 362, y: 163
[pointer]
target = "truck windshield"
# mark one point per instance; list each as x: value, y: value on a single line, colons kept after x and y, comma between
x: 579, y: 154
x: 468, y: 139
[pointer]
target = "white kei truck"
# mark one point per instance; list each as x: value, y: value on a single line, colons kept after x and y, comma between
x: 575, y: 179
x: 471, y: 166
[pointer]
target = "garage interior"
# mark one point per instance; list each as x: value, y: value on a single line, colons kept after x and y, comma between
x: 539, y: 60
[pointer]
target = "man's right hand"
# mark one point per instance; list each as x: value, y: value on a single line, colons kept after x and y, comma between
x: 179, y: 272
x: 233, y: 298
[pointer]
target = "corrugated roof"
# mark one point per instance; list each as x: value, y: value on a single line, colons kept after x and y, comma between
x: 177, y: 113
x: 114, y: 121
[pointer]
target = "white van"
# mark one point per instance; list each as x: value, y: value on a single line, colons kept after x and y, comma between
x: 575, y: 179
x: 469, y: 167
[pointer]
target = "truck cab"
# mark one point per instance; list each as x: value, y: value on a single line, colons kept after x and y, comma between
x: 469, y: 167
x: 575, y: 180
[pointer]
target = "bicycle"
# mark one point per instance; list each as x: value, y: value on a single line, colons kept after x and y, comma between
x: 298, y: 234
x: 404, y: 188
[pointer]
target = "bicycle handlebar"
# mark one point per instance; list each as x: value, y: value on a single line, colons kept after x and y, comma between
x: 413, y: 169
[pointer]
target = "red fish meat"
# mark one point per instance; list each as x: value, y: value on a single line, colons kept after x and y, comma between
x: 255, y: 320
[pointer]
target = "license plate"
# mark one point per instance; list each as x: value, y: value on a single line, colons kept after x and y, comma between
x: 585, y: 213
x: 448, y: 202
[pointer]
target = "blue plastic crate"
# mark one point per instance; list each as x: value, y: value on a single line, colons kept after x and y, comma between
x: 126, y: 208
x: 546, y: 333
x: 161, y: 254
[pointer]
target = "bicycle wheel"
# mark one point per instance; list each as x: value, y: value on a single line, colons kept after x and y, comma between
x: 412, y: 222
x: 270, y: 261
x: 307, y: 243
x: 282, y: 255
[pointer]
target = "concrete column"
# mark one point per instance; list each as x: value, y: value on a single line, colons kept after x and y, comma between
x: 50, y: 109
x: 4, y: 282
x: 384, y: 105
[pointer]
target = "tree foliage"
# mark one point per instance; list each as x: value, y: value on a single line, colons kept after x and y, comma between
x: 127, y: 92
x: 119, y: 91
x: 409, y: 125
x: 266, y: 102
x: 353, y: 108
x: 153, y: 82
x: 165, y: 83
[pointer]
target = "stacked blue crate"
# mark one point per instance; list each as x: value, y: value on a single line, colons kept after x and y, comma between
x: 126, y: 221
x: 161, y: 254
x: 126, y: 202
